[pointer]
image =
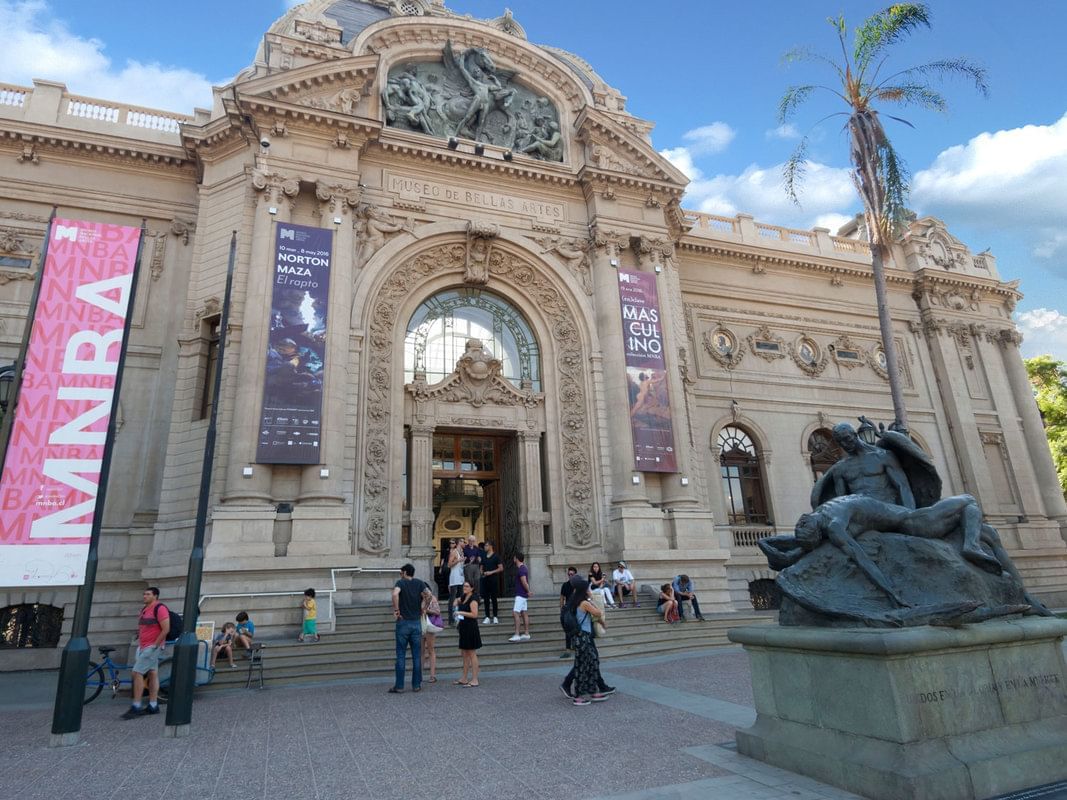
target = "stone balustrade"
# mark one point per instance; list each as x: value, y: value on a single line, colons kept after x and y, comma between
x: 746, y: 537
x: 745, y: 229
x: 51, y: 104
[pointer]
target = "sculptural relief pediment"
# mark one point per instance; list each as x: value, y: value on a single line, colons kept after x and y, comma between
x: 611, y: 147
x: 477, y: 381
x: 336, y: 86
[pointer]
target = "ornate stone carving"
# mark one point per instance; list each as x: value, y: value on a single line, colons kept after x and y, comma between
x: 345, y: 195
x: 159, y: 252
x: 375, y: 227
x: 604, y: 157
x: 766, y: 345
x: 343, y: 100
x: 10, y: 275
x: 722, y: 345
x: 181, y: 229
x: 574, y: 253
x: 12, y: 241
x: 28, y: 155
x: 844, y: 349
x: 480, y: 236
x: 318, y: 31
x: 211, y: 307
x: 575, y: 444
x: 876, y: 361
x: 273, y: 187
x: 466, y: 95
x: 477, y: 380
x: 807, y: 355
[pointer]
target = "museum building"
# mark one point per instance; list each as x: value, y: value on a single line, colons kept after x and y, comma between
x: 489, y: 204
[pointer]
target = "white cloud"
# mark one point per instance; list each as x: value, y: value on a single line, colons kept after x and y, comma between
x: 1013, y: 178
x: 1044, y: 331
x: 683, y: 160
x: 786, y: 131
x: 707, y: 139
x: 36, y: 45
x: 827, y: 196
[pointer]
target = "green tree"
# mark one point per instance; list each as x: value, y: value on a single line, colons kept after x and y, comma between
x: 863, y: 82
x: 1049, y: 378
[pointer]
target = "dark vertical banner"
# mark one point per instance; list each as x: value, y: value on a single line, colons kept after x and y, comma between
x: 291, y: 421
x: 646, y: 373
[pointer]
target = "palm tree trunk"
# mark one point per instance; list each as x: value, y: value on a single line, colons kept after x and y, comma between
x: 885, y: 324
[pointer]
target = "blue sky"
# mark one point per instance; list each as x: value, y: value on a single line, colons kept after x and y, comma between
x: 709, y: 75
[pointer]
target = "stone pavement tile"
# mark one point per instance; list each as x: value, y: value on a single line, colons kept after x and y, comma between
x: 724, y: 675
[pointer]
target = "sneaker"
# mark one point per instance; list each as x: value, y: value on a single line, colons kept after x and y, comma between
x: 133, y: 712
x: 599, y: 698
x: 496, y: 621
x: 607, y: 690
x: 394, y: 690
x: 515, y: 638
x: 150, y: 709
x: 525, y: 636
x: 580, y: 701
x: 485, y: 621
x: 566, y: 694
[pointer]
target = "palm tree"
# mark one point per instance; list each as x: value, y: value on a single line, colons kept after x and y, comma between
x: 879, y: 174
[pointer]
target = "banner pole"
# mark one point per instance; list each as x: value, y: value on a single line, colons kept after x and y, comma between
x: 183, y: 672
x: 20, y: 364
x: 74, y: 664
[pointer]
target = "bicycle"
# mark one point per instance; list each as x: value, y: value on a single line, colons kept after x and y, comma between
x: 107, y: 673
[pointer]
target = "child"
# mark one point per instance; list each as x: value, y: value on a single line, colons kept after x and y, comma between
x: 246, y: 629
x: 223, y: 644
x: 309, y: 633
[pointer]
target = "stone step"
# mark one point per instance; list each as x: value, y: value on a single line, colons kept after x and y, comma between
x: 364, y: 644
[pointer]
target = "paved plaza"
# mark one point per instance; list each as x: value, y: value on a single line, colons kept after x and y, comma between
x: 667, y: 733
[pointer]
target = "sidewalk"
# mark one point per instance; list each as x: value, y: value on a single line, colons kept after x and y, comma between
x: 667, y: 733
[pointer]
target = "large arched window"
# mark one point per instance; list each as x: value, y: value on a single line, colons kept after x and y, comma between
x: 742, y: 479
x: 824, y: 451
x: 439, y: 329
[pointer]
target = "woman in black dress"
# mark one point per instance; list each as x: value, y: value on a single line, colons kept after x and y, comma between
x: 470, y: 638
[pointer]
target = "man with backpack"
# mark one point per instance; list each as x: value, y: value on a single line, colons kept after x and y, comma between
x: 153, y: 630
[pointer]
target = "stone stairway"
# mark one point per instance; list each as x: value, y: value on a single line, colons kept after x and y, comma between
x: 363, y: 645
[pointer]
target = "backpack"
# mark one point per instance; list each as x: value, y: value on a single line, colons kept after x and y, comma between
x: 569, y: 620
x: 175, y: 623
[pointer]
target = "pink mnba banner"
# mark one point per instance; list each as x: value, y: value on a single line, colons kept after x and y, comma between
x: 52, y: 471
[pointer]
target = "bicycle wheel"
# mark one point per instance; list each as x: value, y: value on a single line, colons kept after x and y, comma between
x: 164, y: 671
x: 94, y: 682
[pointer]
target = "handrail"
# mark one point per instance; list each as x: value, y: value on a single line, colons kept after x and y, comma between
x: 329, y: 593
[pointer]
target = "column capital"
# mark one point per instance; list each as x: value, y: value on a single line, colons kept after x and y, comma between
x: 273, y: 188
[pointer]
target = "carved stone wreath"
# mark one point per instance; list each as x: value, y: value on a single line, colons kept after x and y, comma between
x: 730, y: 358
x: 872, y: 360
x: 773, y: 346
x: 575, y: 439
x: 813, y: 369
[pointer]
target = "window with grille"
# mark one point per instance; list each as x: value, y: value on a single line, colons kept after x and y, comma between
x: 30, y: 625
x: 742, y: 478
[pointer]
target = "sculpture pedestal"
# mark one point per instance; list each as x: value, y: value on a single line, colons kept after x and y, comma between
x: 920, y: 712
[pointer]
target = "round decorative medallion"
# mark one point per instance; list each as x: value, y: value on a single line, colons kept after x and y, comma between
x: 808, y: 351
x: 879, y: 356
x: 452, y: 525
x: 724, y: 342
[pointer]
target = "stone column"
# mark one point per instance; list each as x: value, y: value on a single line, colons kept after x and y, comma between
x: 606, y: 262
x: 275, y: 195
x: 320, y: 520
x: 1033, y: 430
x: 532, y: 516
x: 243, y: 526
x: 420, y: 478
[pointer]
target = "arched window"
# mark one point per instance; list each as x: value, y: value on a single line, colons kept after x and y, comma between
x: 439, y: 329
x: 742, y: 478
x: 824, y: 451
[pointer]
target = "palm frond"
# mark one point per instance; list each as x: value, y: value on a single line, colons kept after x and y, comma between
x: 896, y: 181
x: 793, y: 171
x: 793, y: 98
x: 806, y: 54
x: 945, y: 68
x: 885, y: 28
x: 911, y: 94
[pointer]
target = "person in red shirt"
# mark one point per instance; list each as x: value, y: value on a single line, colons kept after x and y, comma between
x: 152, y: 628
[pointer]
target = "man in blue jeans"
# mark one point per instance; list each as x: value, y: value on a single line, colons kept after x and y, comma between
x: 410, y: 598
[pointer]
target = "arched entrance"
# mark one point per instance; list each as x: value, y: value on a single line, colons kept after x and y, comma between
x: 478, y: 396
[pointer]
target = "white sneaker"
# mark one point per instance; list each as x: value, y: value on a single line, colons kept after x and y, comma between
x: 496, y: 621
x: 515, y: 638
x: 525, y: 636
x: 485, y: 621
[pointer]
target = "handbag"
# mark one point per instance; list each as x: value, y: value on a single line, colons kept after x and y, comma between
x: 429, y: 627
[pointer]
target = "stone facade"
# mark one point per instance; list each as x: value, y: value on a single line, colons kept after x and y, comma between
x: 769, y: 330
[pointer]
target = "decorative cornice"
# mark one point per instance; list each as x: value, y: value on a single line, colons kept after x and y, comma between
x: 43, y: 139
